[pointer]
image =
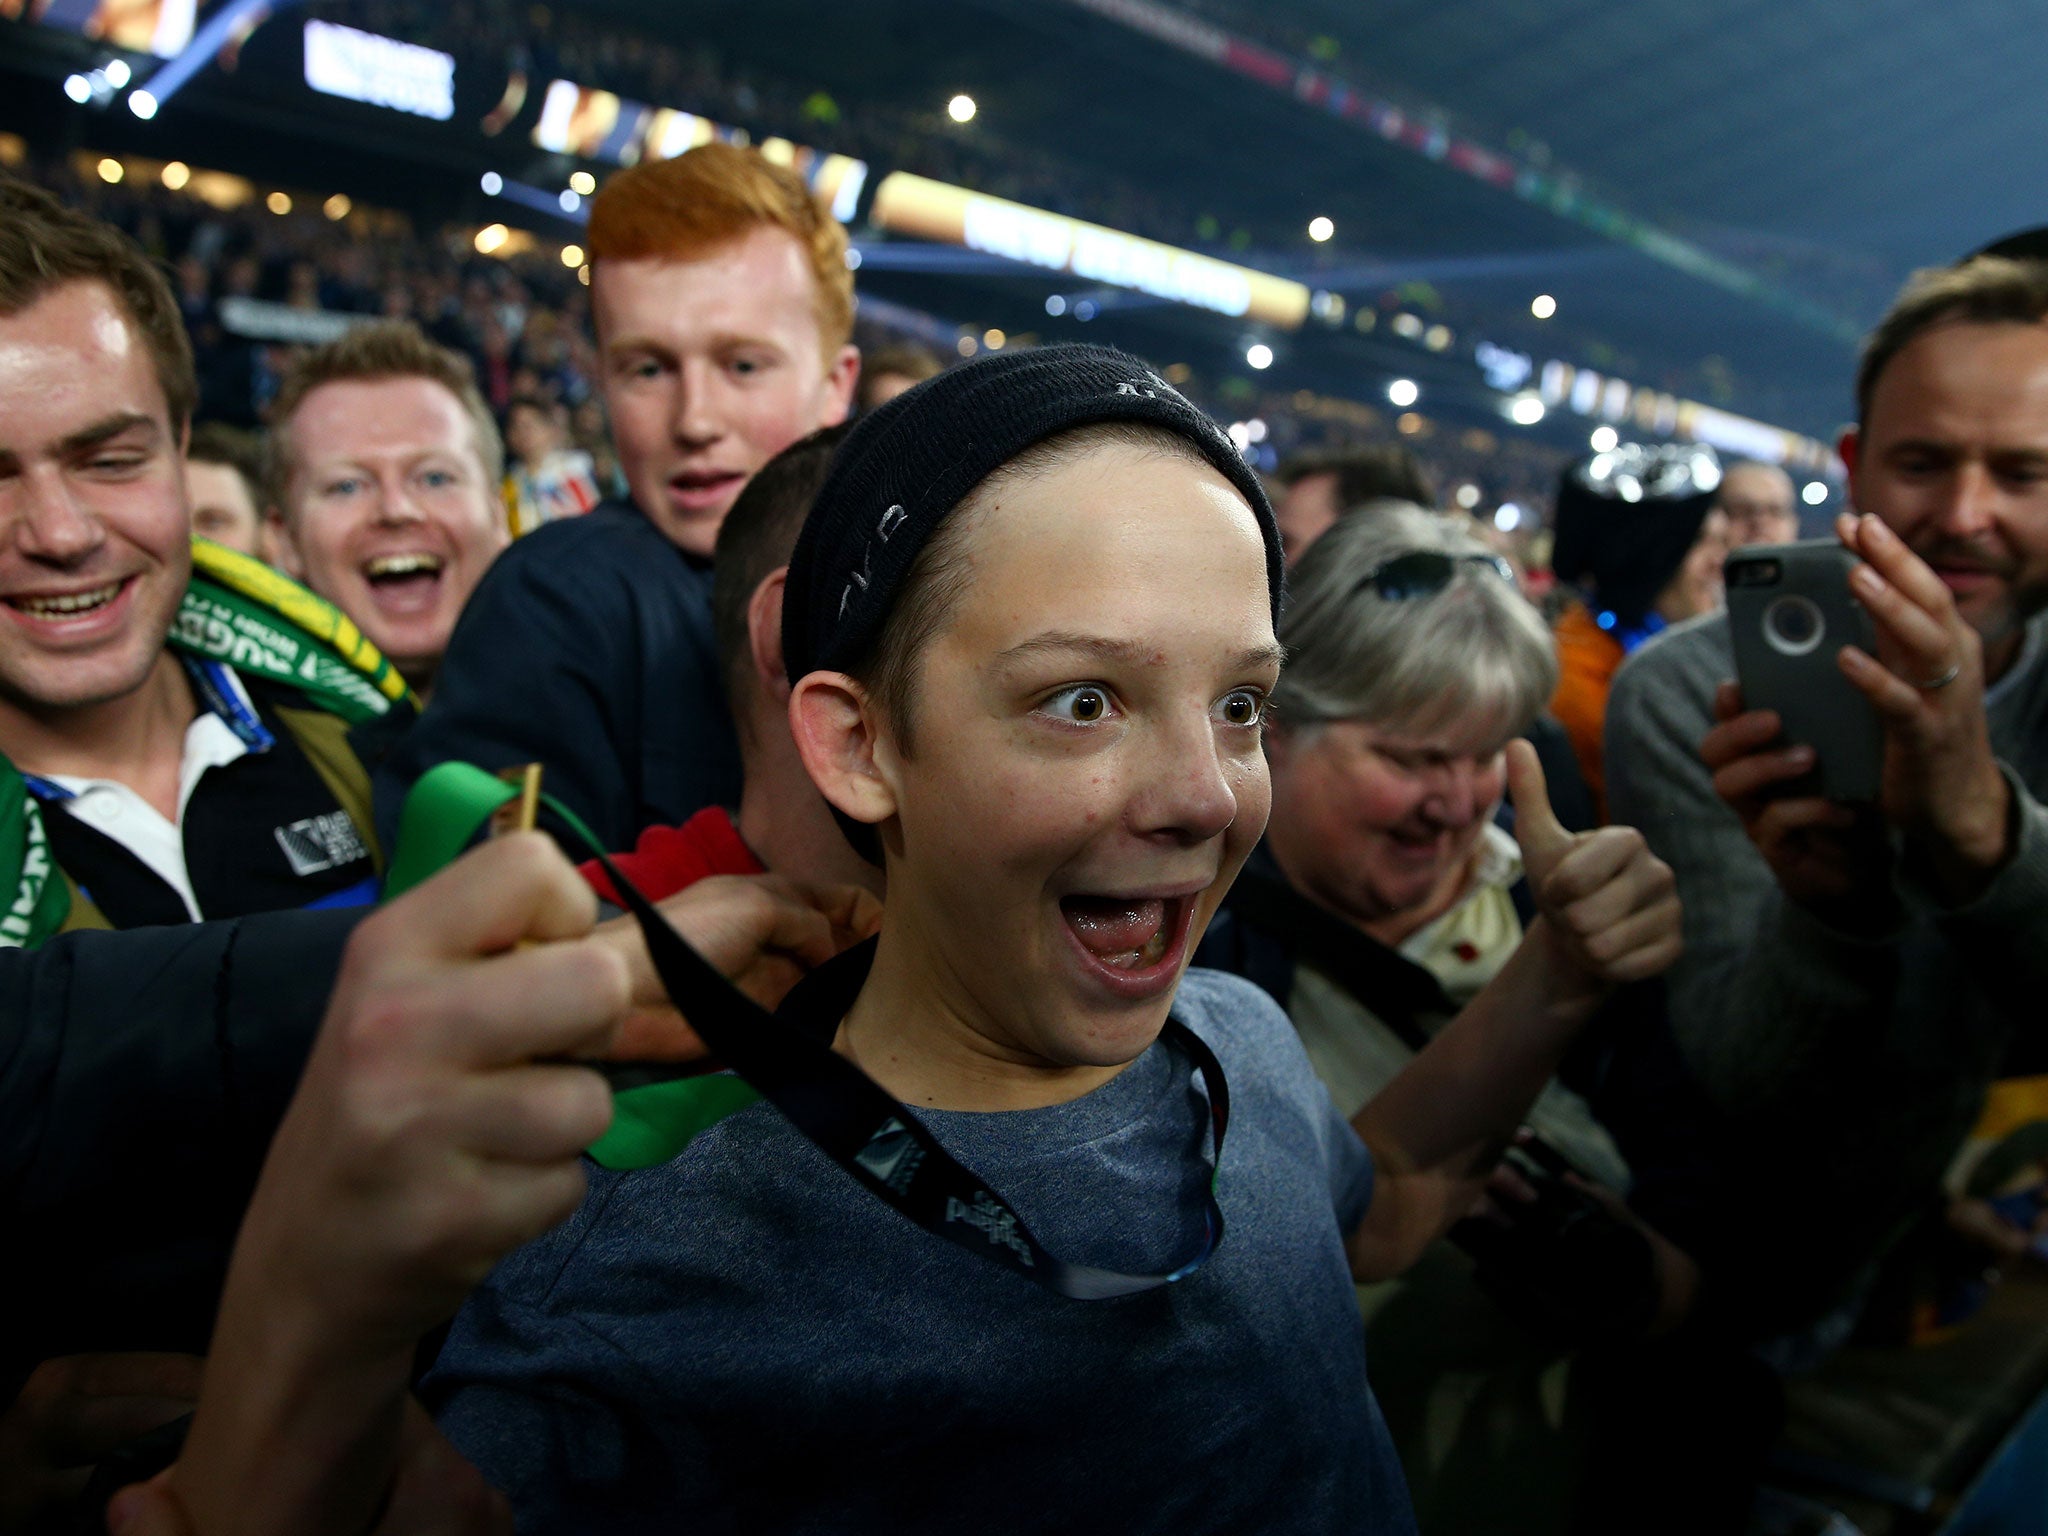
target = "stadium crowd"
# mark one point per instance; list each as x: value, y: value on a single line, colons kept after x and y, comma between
x: 1339, y: 1054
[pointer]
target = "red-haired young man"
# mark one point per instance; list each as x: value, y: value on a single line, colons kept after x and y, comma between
x: 723, y: 307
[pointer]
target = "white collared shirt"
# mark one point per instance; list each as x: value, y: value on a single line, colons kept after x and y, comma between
x: 115, y: 811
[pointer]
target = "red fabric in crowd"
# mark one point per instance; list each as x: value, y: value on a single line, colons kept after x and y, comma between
x: 669, y: 859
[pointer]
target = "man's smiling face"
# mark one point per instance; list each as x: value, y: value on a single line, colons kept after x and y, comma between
x: 392, y: 518
x: 1953, y: 457
x: 95, y: 548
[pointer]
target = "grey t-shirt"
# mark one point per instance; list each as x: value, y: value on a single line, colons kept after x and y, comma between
x: 745, y: 1339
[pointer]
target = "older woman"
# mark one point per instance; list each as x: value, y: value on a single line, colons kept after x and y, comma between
x: 1412, y: 661
x: 1384, y: 897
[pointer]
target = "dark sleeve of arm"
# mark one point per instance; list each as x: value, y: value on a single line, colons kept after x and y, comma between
x: 130, y: 1060
x: 530, y: 676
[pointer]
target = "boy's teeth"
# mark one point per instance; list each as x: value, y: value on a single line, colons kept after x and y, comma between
x: 75, y: 602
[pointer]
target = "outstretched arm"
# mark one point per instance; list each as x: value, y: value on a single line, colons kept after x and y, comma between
x: 1607, y: 914
x: 437, y: 1128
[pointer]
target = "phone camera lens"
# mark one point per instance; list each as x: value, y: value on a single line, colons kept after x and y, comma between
x: 1793, y: 626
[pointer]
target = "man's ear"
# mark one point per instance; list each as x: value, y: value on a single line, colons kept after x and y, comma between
x: 840, y: 376
x: 837, y: 731
x: 764, y: 635
x: 1848, y: 445
x: 277, y: 547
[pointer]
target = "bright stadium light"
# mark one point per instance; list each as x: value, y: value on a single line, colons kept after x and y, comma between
x: 176, y: 174
x: 1508, y: 518
x: 492, y: 183
x: 570, y: 200
x: 1526, y: 411
x: 111, y: 171
x: 491, y: 237
x: 1320, y: 229
x: 1543, y: 306
x: 1815, y: 493
x: 78, y: 88
x: 337, y: 207
x: 572, y: 255
x: 117, y: 73
x: 279, y: 203
x: 961, y: 109
x: 143, y: 105
x: 1403, y: 393
x: 1259, y: 355
x: 582, y: 183
x: 1603, y: 439
x: 1055, y: 304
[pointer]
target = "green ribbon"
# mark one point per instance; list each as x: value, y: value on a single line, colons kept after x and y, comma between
x: 441, y: 816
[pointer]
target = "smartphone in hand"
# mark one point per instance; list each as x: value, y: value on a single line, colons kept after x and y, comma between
x: 1790, y: 612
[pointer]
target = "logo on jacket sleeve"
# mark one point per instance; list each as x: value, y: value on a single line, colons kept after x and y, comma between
x: 321, y: 843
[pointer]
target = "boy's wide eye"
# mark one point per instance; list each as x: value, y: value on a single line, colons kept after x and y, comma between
x: 1083, y: 704
x: 1244, y: 707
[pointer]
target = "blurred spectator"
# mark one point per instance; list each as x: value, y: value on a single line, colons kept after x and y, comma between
x: 1855, y: 975
x: 888, y: 371
x: 382, y: 473
x: 592, y: 434
x: 1322, y: 486
x: 723, y: 305
x: 1639, y: 538
x: 223, y: 470
x: 1759, y: 502
x: 548, y: 479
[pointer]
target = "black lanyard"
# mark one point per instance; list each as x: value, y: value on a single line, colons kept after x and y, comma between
x: 859, y: 1125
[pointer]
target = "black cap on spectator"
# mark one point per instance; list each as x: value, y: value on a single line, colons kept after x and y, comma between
x: 2023, y: 245
x: 1626, y: 518
x: 905, y: 467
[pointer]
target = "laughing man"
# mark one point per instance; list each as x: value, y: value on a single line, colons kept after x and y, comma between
x: 167, y: 785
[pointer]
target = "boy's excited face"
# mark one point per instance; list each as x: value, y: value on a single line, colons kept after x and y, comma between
x: 1084, y: 773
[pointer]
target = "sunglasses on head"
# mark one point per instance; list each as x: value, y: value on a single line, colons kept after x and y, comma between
x: 1426, y: 572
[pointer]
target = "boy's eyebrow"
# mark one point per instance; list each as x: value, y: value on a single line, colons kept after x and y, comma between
x: 1070, y: 641
x: 105, y: 430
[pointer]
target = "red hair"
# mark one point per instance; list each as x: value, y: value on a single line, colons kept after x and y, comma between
x: 717, y: 193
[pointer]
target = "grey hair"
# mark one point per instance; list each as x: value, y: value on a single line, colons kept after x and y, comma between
x: 1475, y: 650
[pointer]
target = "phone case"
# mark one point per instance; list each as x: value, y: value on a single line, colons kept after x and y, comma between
x: 1789, y: 614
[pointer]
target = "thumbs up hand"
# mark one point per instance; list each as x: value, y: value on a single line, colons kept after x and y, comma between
x: 1607, y: 907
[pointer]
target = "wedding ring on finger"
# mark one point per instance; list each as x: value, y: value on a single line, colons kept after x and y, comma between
x: 1954, y: 671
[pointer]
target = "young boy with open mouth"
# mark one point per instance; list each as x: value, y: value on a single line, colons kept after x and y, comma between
x: 1030, y: 631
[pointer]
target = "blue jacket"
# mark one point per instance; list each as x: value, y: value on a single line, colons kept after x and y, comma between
x: 587, y: 648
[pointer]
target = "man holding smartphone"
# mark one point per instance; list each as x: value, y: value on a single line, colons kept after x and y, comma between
x: 1856, y: 974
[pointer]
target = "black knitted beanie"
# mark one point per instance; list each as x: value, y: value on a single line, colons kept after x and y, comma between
x: 907, y: 465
